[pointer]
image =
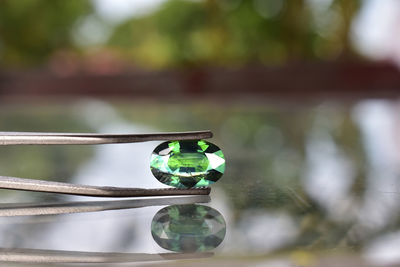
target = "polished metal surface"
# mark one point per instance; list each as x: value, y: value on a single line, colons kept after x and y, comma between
x: 94, y: 191
x: 31, y: 138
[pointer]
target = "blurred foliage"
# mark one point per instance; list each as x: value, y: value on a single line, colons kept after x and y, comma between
x: 237, y: 32
x: 185, y: 33
x: 32, y: 30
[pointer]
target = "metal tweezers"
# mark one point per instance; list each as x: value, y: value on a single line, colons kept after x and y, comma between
x: 31, y: 138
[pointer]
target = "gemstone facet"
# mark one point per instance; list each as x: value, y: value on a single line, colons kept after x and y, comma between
x: 187, y: 164
x: 188, y: 228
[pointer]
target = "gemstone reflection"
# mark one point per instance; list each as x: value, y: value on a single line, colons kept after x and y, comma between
x: 188, y: 228
x: 187, y: 164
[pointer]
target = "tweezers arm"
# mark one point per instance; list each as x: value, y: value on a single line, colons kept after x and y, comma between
x: 20, y: 138
x: 94, y: 191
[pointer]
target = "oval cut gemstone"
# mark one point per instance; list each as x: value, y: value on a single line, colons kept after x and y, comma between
x: 187, y: 164
x: 188, y: 228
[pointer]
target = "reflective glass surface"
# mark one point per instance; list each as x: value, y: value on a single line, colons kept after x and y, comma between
x: 304, y: 185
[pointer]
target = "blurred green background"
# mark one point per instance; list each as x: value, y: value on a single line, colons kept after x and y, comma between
x: 328, y: 168
x: 179, y: 33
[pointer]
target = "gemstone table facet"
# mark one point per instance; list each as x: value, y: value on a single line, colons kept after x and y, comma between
x: 188, y: 228
x: 187, y: 164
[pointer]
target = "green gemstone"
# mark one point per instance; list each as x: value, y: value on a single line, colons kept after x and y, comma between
x: 188, y: 228
x: 187, y: 164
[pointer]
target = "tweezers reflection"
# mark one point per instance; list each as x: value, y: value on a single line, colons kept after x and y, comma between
x: 61, y: 256
x: 29, y: 209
